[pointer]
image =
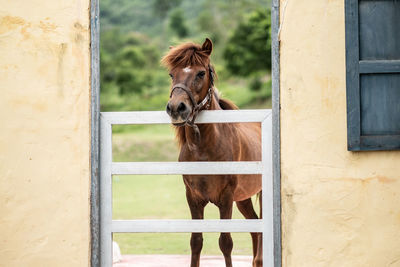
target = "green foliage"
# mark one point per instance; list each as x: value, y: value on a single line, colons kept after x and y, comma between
x: 255, y: 84
x: 206, y: 21
x: 249, y: 48
x: 162, y: 7
x: 128, y: 15
x: 177, y: 23
x: 129, y: 63
x: 135, y: 35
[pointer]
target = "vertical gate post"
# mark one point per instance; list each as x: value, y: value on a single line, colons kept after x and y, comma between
x: 276, y: 139
x: 105, y: 192
x: 267, y: 193
x: 94, y: 129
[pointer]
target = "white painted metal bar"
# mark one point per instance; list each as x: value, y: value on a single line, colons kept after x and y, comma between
x: 212, y: 116
x: 196, y: 167
x: 267, y: 193
x: 186, y: 226
x: 105, y: 193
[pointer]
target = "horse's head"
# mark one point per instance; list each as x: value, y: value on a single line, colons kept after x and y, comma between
x: 192, y: 80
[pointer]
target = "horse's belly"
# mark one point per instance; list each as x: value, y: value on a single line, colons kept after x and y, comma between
x: 247, y: 186
x: 210, y: 187
x: 207, y: 188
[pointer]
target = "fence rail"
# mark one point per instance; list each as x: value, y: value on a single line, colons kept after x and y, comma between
x: 184, y: 226
x: 161, y: 117
x: 222, y: 167
x: 108, y: 226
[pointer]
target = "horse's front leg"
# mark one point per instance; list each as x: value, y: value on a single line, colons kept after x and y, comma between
x: 225, y: 211
x: 196, y: 241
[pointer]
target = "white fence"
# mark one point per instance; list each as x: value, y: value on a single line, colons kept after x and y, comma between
x: 108, y: 226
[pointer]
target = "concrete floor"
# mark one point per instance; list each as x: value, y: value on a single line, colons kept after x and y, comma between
x: 179, y: 260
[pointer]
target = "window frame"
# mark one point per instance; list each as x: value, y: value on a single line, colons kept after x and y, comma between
x: 354, y: 68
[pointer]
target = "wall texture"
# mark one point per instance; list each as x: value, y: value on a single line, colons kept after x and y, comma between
x: 339, y: 208
x: 45, y: 135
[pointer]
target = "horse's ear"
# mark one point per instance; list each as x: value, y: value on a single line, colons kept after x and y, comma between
x: 207, y: 46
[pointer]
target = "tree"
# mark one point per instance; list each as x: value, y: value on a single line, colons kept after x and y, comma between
x: 208, y: 25
x: 129, y: 63
x: 249, y: 48
x: 177, y: 23
x: 162, y: 7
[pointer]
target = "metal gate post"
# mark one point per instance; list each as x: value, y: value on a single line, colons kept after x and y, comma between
x: 105, y: 192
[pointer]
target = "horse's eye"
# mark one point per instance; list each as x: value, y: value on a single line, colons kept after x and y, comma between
x: 170, y: 75
x: 201, y: 74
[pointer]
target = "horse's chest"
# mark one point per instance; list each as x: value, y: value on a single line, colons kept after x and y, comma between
x: 207, y: 187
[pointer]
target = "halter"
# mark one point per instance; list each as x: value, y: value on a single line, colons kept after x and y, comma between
x: 196, y: 107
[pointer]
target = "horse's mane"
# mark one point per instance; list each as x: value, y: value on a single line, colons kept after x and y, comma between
x: 227, y: 104
x: 186, y: 54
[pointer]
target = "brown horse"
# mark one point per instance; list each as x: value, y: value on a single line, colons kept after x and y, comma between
x: 192, y: 91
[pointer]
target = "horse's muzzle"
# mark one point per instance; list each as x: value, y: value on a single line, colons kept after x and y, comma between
x: 179, y: 112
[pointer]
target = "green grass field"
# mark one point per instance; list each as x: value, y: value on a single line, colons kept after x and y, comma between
x: 158, y: 196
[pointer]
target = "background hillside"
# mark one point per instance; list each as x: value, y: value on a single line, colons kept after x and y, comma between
x: 135, y: 34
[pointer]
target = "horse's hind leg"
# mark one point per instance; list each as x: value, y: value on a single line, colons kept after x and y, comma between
x: 247, y: 209
x: 225, y: 240
x: 258, y: 260
x: 196, y: 241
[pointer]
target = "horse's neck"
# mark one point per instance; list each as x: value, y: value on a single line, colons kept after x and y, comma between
x: 209, y: 133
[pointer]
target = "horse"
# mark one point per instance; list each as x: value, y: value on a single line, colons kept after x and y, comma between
x: 192, y: 91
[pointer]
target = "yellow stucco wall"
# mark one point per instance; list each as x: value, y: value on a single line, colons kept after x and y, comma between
x: 44, y: 133
x: 339, y: 208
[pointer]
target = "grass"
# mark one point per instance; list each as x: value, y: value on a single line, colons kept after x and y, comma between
x: 144, y: 143
x: 158, y: 196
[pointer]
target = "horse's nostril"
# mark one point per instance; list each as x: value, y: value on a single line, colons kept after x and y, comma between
x: 168, y: 109
x: 181, y: 107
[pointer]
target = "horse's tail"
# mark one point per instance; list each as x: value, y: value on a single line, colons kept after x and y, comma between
x: 227, y: 104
